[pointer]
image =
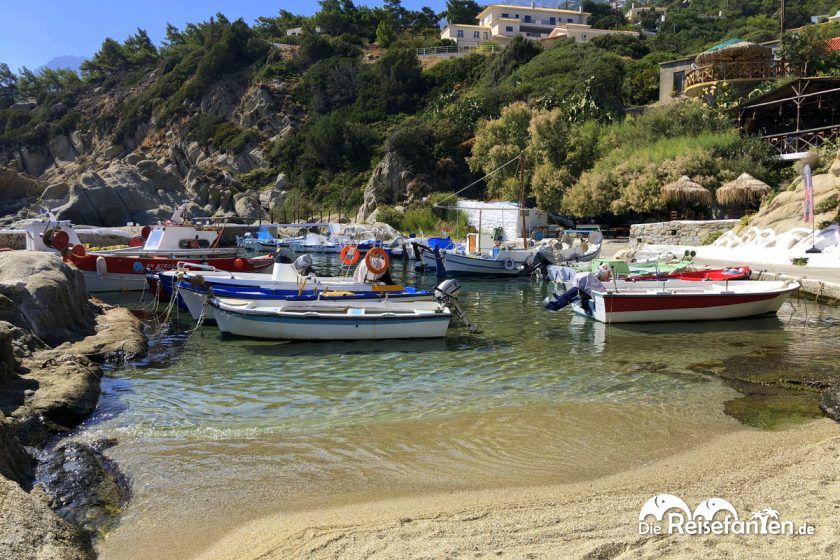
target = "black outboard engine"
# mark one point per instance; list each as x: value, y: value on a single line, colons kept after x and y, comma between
x: 303, y: 265
x: 282, y: 258
x: 447, y: 294
x: 537, y: 263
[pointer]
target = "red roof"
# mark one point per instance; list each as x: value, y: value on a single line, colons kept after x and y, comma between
x: 833, y: 44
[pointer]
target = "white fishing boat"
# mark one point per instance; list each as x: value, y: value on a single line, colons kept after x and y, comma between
x: 679, y: 300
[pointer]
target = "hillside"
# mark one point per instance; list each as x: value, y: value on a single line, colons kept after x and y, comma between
x: 236, y: 120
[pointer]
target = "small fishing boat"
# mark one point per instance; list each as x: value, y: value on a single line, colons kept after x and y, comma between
x: 194, y: 297
x: 679, y: 300
x: 700, y: 275
x: 158, y: 248
x: 295, y: 320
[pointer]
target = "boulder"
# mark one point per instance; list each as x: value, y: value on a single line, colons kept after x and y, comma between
x: 25, y: 104
x: 260, y: 108
x: 62, y: 149
x: 281, y: 181
x: 56, y: 191
x: 49, y: 294
x: 15, y: 462
x: 8, y: 363
x: 35, y: 161
x: 15, y: 185
x: 222, y: 98
x: 389, y: 184
x: 30, y: 530
x: 82, y: 485
x: 835, y: 168
x: 113, y: 151
x: 248, y: 208
x: 830, y: 402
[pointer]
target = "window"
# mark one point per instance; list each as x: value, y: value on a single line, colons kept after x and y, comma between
x: 516, y: 16
x: 509, y: 29
x: 485, y: 34
x: 552, y: 21
x: 460, y: 33
x: 584, y: 36
x: 570, y: 20
x: 505, y: 15
x: 476, y: 34
x: 679, y: 82
x: 527, y: 19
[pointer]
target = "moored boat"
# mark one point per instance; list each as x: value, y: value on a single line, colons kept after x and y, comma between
x: 675, y: 300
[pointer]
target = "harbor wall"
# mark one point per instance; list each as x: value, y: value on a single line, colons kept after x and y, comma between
x: 678, y: 232
x: 100, y: 237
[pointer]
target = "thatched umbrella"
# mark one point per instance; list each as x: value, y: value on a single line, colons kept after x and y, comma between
x: 685, y: 191
x: 734, y: 50
x: 743, y: 191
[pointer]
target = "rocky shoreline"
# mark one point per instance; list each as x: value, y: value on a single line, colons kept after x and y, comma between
x: 54, y: 342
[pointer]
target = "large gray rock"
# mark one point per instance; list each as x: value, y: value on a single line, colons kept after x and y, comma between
x: 14, y: 185
x: 15, y: 462
x: 389, y: 184
x: 260, y: 108
x: 35, y: 160
x: 50, y: 295
x: 223, y: 98
x: 248, y: 208
x: 30, y: 530
x: 62, y: 150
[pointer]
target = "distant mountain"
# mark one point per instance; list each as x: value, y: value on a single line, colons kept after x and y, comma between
x: 65, y: 61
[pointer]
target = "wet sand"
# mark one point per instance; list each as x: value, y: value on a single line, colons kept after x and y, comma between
x: 794, y: 471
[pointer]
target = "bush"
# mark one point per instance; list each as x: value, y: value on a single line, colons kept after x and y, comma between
x: 258, y: 179
x: 390, y: 216
x: 711, y: 237
x: 222, y: 134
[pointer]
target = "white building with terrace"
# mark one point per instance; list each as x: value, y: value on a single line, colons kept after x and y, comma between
x: 500, y: 23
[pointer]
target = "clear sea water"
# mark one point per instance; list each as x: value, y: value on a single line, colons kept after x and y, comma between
x: 214, y: 430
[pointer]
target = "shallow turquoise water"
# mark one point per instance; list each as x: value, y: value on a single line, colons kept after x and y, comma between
x: 535, y: 397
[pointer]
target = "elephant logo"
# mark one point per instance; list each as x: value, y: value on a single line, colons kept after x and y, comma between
x: 708, y: 508
x: 659, y: 504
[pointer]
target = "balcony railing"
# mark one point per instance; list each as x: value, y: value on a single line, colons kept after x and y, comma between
x: 485, y: 47
x: 804, y: 140
x: 738, y: 71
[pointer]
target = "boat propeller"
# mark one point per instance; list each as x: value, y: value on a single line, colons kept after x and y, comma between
x: 447, y: 294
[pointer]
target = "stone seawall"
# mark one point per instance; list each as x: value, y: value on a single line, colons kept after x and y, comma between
x: 680, y: 232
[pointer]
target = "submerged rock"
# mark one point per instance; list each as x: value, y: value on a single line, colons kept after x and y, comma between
x: 82, y: 485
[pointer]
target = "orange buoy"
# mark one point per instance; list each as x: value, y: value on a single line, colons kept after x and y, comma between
x: 377, y: 252
x: 353, y: 252
x: 144, y: 233
x: 238, y: 264
x: 136, y: 241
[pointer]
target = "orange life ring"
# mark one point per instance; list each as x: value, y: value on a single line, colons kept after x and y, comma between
x: 377, y: 252
x: 354, y: 256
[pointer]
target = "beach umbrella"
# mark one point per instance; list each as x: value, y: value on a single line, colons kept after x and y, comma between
x: 743, y: 191
x: 734, y: 50
x: 685, y: 191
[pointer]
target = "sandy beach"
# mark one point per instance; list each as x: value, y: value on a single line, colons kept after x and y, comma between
x: 794, y: 471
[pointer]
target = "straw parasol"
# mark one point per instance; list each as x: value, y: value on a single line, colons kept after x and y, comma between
x: 734, y: 50
x: 686, y: 191
x: 744, y: 190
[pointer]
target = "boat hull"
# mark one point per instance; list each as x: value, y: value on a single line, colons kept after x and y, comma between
x: 282, y: 326
x: 672, y: 306
x: 463, y: 265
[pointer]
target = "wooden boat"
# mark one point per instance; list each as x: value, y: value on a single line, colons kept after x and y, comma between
x: 676, y: 300
x: 194, y: 298
x: 321, y: 321
x: 159, y: 248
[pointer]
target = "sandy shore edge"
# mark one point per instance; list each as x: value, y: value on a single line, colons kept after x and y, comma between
x: 794, y: 471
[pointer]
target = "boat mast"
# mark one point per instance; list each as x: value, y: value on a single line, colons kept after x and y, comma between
x: 522, y: 199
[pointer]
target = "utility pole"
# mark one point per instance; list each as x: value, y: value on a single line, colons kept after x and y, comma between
x: 781, y: 18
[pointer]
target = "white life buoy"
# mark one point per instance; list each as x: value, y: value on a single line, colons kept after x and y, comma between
x: 595, y: 237
x: 509, y: 264
x: 101, y: 266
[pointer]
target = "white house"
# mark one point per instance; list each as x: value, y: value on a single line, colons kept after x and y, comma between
x: 500, y: 23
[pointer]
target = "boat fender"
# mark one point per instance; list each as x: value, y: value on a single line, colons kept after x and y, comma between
x: 144, y: 233
x: 59, y: 240
x: 136, y: 241
x: 78, y: 251
x: 238, y: 264
x: 509, y: 264
x: 197, y: 280
x: 101, y: 266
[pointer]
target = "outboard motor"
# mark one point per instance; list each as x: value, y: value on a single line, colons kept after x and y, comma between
x: 537, y: 264
x: 282, y: 258
x: 447, y: 294
x: 303, y: 265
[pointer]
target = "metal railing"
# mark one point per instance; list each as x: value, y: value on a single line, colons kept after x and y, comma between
x: 762, y: 70
x: 488, y: 47
x: 804, y: 140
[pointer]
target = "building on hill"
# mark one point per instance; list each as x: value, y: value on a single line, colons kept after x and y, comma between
x: 737, y: 62
x: 500, y: 23
x: 634, y: 14
x: 797, y: 117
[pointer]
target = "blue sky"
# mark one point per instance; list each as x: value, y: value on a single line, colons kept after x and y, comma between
x: 33, y: 32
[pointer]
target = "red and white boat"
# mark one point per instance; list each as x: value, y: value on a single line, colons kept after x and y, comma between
x: 158, y: 248
x: 680, y: 300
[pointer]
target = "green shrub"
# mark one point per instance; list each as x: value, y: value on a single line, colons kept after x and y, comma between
x: 711, y: 237
x: 390, y: 216
x: 220, y: 133
x: 827, y: 205
x: 258, y: 179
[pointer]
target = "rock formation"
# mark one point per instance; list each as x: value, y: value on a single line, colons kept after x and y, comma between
x: 389, y: 184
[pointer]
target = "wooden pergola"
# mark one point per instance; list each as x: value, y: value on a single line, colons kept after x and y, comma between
x: 795, y: 118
